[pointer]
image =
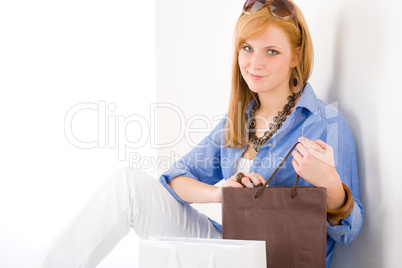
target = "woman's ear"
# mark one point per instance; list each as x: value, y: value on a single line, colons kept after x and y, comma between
x: 296, y: 57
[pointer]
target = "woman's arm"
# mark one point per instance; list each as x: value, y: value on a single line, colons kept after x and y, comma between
x: 193, y: 191
x: 318, y: 169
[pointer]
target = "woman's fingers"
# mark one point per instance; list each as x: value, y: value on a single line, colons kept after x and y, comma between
x: 318, y: 149
x: 231, y: 182
x: 297, y: 156
x: 250, y: 180
x: 309, y: 154
x: 322, y: 144
x: 254, y: 178
x: 301, y: 150
x: 247, y: 182
x: 235, y: 184
x: 313, y: 145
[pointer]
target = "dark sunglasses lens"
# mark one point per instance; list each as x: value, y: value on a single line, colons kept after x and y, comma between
x: 253, y: 5
x: 282, y: 8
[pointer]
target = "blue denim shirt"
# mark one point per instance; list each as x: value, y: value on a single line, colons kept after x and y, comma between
x: 210, y: 161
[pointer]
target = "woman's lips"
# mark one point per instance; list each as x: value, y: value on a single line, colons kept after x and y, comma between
x: 256, y: 77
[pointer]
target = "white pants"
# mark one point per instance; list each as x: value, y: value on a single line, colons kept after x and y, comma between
x: 130, y: 198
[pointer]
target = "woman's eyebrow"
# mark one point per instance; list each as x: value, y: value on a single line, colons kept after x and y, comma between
x: 264, y: 47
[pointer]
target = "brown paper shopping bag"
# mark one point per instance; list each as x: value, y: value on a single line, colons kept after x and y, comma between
x: 291, y: 220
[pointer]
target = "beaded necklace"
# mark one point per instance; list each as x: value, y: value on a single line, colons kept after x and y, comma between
x: 277, y: 122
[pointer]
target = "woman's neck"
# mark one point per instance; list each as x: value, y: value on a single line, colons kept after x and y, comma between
x: 272, y: 102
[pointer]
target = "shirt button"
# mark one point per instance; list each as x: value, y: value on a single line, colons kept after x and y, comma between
x: 293, y: 120
x: 269, y: 144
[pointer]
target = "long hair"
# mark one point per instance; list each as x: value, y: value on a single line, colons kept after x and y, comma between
x: 251, y: 25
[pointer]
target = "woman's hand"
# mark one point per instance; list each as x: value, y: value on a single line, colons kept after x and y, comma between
x: 314, y: 162
x: 248, y: 180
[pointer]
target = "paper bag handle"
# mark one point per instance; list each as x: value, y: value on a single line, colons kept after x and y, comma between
x: 276, y: 170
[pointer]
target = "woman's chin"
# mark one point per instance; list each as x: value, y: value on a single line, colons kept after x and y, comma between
x: 257, y: 89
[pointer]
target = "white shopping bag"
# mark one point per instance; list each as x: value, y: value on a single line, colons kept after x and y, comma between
x: 179, y: 252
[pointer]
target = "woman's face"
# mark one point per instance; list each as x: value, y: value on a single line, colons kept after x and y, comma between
x: 265, y: 61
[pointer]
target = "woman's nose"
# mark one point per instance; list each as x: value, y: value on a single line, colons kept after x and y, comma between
x: 257, y: 62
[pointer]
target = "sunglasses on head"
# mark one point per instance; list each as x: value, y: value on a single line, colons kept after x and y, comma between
x: 282, y: 9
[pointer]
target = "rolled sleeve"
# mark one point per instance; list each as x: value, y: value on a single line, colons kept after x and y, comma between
x: 172, y: 173
x: 350, y: 227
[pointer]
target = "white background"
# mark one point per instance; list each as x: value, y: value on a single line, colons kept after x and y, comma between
x: 58, y: 54
x: 55, y: 55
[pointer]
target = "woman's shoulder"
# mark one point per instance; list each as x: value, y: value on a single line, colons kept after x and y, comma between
x: 321, y: 114
x: 326, y: 112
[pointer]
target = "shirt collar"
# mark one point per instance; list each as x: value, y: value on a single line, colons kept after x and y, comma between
x: 307, y: 100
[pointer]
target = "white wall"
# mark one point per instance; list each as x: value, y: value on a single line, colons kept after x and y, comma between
x: 365, y: 81
x: 55, y: 55
x: 357, y: 67
x: 193, y: 70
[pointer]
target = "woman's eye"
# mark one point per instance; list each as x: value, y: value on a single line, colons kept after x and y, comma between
x: 247, y: 48
x: 272, y: 52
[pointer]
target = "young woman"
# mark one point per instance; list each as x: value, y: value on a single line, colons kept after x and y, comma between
x: 272, y: 106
